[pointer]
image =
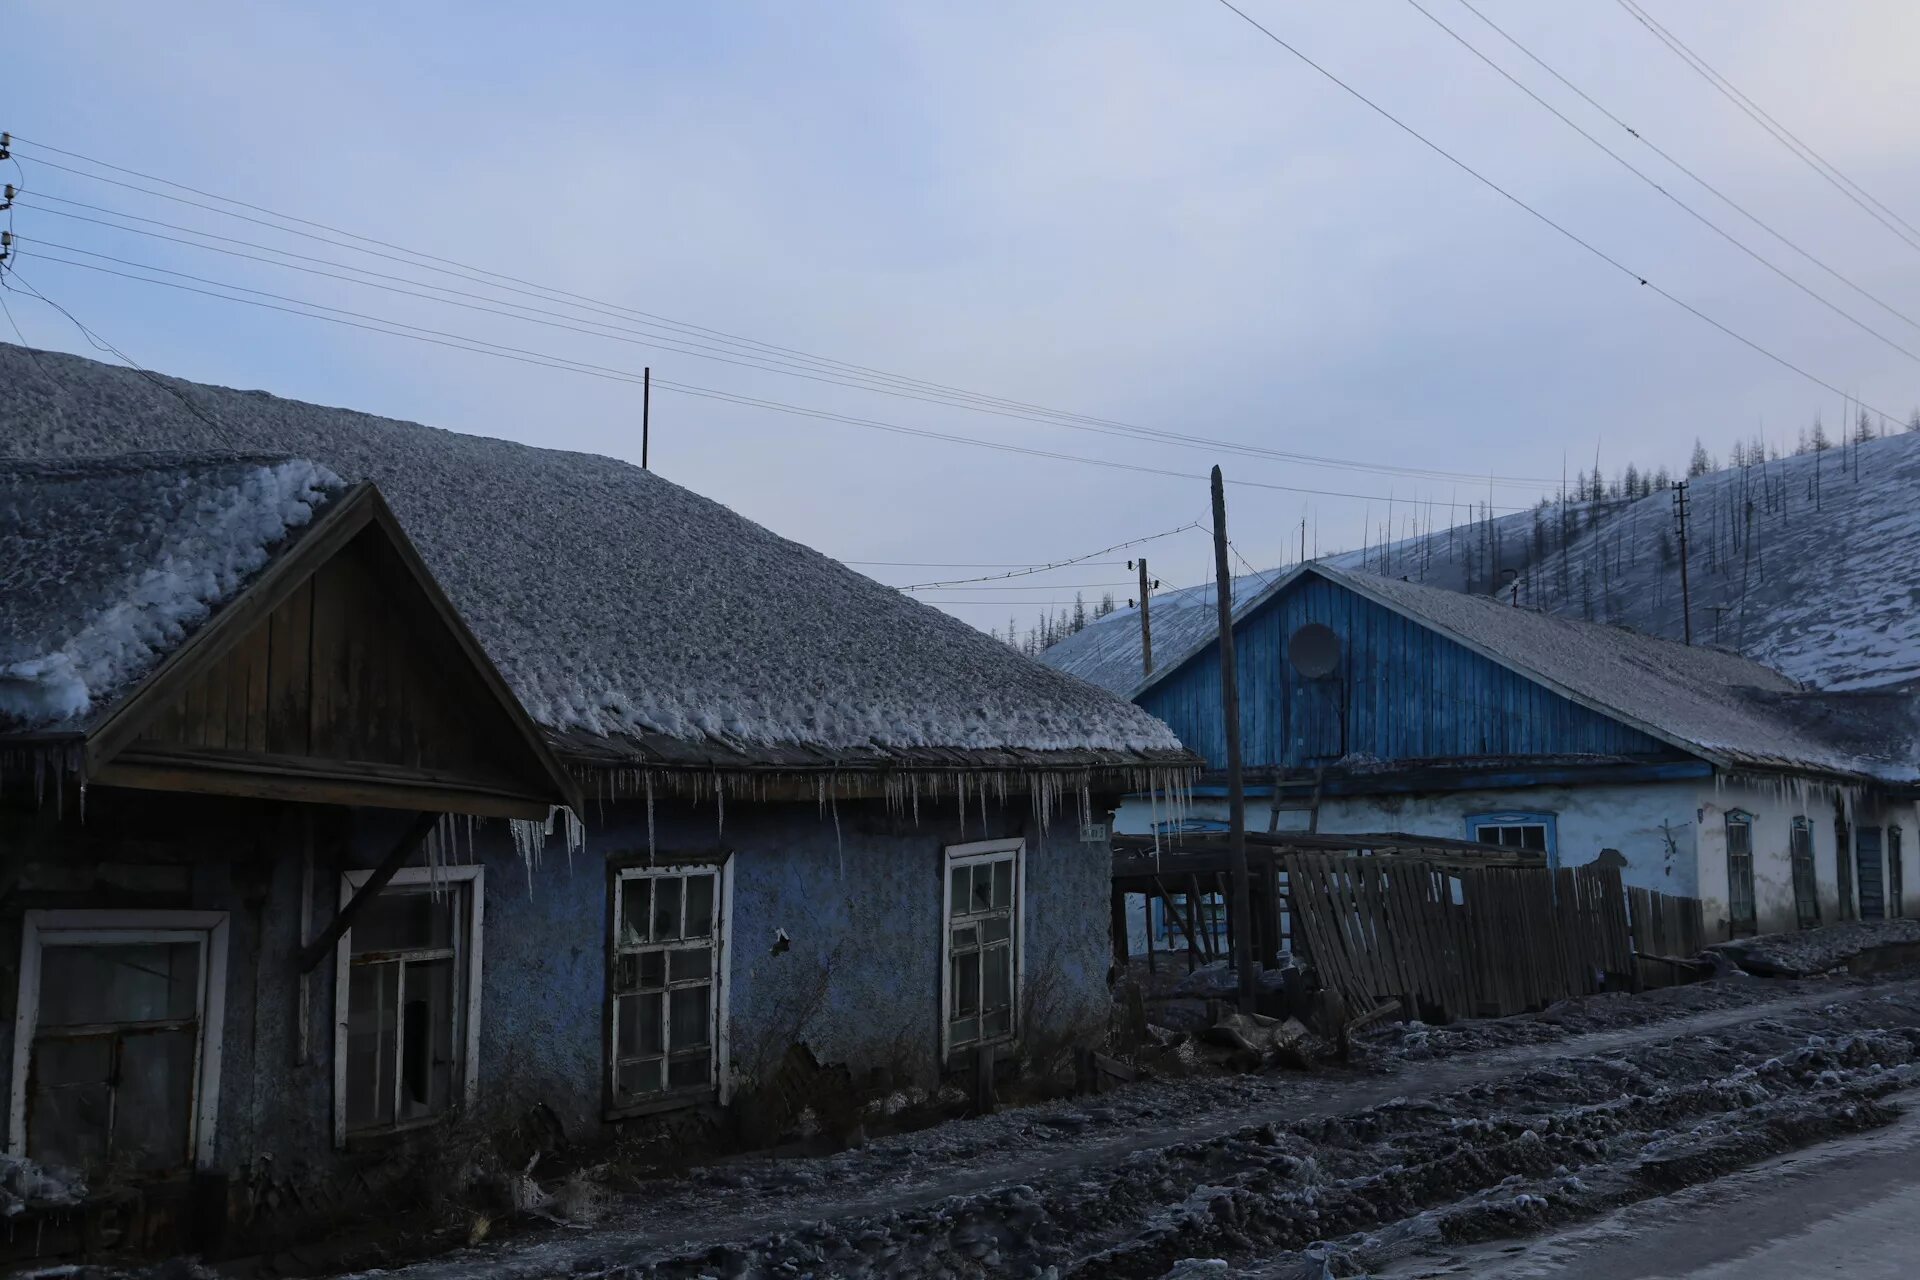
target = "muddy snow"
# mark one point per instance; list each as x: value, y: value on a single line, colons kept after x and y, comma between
x: 1436, y: 1137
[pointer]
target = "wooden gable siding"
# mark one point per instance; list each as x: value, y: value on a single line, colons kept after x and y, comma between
x: 1402, y: 692
x: 351, y: 667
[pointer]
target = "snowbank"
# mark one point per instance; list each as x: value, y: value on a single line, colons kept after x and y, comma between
x: 26, y: 1185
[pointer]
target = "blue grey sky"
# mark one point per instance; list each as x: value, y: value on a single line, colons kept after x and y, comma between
x: 1135, y: 210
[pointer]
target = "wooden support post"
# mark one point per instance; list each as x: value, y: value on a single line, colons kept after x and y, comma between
x: 322, y: 946
x: 1230, y: 709
x: 1118, y: 924
x: 1146, y: 630
x: 646, y: 413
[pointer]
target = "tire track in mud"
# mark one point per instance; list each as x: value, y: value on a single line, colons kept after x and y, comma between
x: 1502, y: 1127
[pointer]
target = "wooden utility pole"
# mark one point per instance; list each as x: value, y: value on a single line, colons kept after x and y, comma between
x: 646, y: 412
x: 1686, y: 597
x: 1242, y: 907
x: 1146, y: 631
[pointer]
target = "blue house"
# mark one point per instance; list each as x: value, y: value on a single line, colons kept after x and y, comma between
x: 1373, y: 705
x: 363, y: 784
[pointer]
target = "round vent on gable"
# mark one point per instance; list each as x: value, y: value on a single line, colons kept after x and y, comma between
x: 1314, y: 651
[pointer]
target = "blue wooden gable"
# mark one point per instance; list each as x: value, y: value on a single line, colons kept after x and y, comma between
x: 1402, y: 692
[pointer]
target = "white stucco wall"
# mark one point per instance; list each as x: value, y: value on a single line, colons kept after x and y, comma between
x: 1774, y: 808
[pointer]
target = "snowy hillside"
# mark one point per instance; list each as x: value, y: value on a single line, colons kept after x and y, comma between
x: 1809, y: 564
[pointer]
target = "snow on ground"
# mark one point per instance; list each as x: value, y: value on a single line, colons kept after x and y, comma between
x: 1803, y: 954
x: 107, y: 564
x: 615, y: 601
x: 1596, y: 1104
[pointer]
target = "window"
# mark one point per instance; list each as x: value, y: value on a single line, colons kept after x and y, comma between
x: 980, y: 981
x: 1533, y: 831
x: 1868, y: 873
x: 1741, y: 919
x: 117, y: 1032
x: 1896, y: 875
x: 1806, y: 888
x: 667, y: 993
x: 407, y: 1001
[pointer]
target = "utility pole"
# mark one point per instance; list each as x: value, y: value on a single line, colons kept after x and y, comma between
x: 1242, y: 907
x: 1303, y: 539
x: 1686, y: 597
x: 1146, y: 631
x: 646, y: 412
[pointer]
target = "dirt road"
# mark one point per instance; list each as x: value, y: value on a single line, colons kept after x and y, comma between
x: 1444, y: 1140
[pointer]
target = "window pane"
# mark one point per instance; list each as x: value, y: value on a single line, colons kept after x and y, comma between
x: 690, y: 1024
x: 694, y: 963
x: 372, y: 1049
x: 637, y: 1026
x: 685, y: 1070
x: 135, y: 983
x: 1534, y: 838
x: 700, y: 906
x: 67, y: 1124
x: 666, y: 909
x: 997, y: 966
x: 636, y: 1078
x: 653, y: 970
x: 405, y: 920
x: 426, y: 1039
x: 982, y: 899
x: 1003, y: 883
x: 966, y: 982
x: 636, y: 905
x: 964, y: 1030
x: 152, y: 1111
x: 997, y: 1023
x: 964, y: 937
x: 626, y: 971
x: 961, y: 879
x: 996, y: 928
x: 88, y: 1061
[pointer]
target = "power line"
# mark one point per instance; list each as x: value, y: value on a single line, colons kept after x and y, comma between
x: 1785, y: 137
x: 972, y: 564
x: 938, y: 392
x: 1044, y: 586
x: 479, y: 346
x: 1029, y: 570
x: 1501, y: 191
x: 1630, y: 167
x: 1654, y: 147
x: 654, y: 343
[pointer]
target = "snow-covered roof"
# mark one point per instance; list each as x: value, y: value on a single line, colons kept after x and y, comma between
x: 623, y: 609
x: 107, y: 564
x: 1701, y: 699
x: 1106, y: 652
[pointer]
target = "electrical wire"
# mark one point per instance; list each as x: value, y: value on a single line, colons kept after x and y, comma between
x: 674, y: 346
x: 1695, y: 214
x: 1516, y: 201
x: 1785, y: 137
x: 1029, y: 570
x: 1654, y: 147
x: 479, y: 275
x: 478, y: 346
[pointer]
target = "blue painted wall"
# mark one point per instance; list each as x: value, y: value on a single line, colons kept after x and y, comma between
x: 1402, y: 692
x: 859, y: 982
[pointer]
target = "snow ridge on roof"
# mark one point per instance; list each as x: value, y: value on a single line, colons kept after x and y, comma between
x: 106, y: 564
x: 615, y: 602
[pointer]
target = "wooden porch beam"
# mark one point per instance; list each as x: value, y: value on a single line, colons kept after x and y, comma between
x: 403, y: 848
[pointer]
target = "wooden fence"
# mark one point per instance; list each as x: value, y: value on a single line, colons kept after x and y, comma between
x: 1664, y: 925
x: 1451, y: 941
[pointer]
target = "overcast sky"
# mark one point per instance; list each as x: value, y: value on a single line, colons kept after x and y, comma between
x: 1137, y: 211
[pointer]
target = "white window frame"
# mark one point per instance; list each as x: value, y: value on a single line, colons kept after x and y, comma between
x: 721, y: 1088
x: 472, y: 879
x: 42, y: 929
x: 972, y: 854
